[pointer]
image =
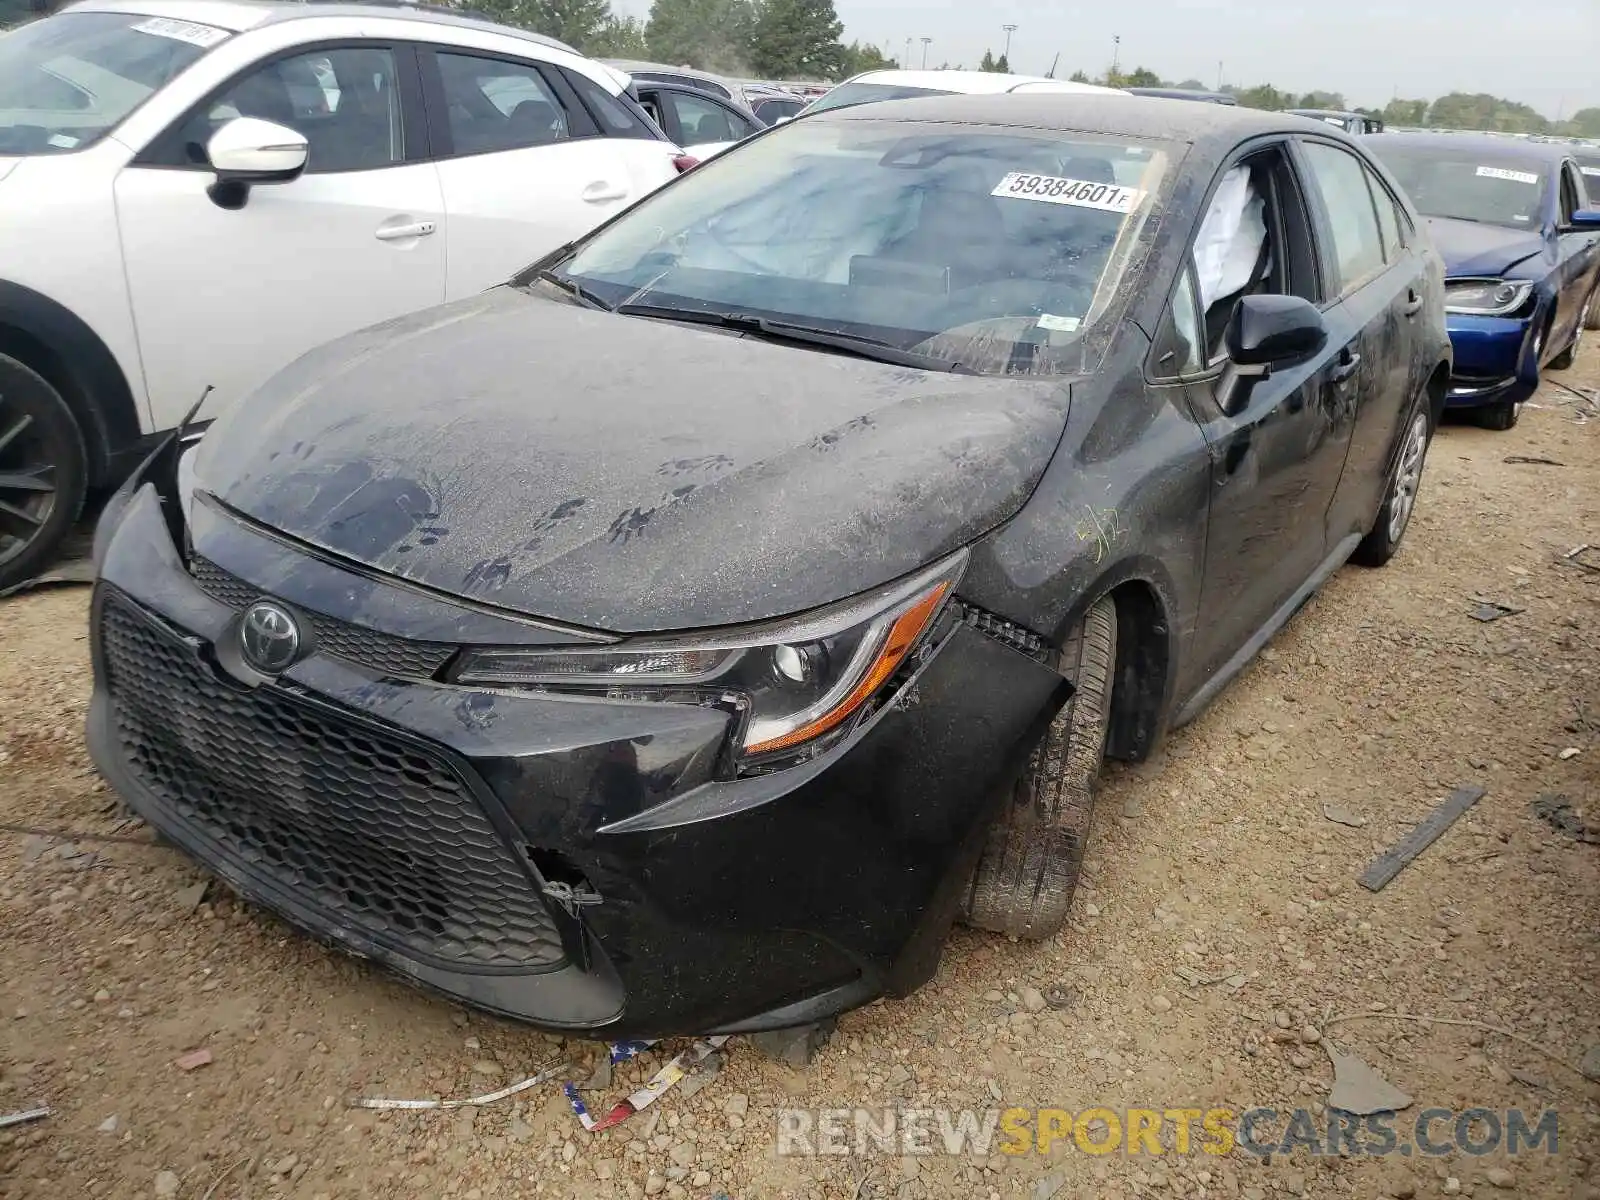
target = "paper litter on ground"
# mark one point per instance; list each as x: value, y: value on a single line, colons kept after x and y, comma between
x: 545, y: 1074
x: 664, y: 1079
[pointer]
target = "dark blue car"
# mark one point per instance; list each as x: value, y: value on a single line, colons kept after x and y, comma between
x: 1521, y: 244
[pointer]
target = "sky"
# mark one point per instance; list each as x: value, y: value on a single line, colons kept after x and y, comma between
x: 1359, y: 47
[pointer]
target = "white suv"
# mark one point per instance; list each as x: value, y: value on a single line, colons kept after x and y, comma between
x: 193, y: 193
x: 872, y: 86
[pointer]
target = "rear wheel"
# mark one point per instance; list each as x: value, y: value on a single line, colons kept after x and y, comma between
x: 43, y: 472
x: 1400, y: 498
x: 1025, y: 878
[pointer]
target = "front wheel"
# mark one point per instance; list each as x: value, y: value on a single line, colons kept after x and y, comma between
x: 1500, y: 417
x: 43, y: 472
x: 1025, y: 878
x: 1570, y: 355
x: 1400, y: 498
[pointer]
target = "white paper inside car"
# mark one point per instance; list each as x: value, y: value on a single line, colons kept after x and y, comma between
x: 1230, y: 239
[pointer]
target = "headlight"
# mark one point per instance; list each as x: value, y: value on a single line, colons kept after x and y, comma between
x: 802, y: 683
x: 1486, y: 297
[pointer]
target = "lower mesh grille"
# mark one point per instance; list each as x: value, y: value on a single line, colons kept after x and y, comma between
x: 380, y: 651
x: 372, y: 836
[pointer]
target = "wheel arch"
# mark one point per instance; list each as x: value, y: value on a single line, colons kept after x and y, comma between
x: 59, y: 346
x: 1147, y: 654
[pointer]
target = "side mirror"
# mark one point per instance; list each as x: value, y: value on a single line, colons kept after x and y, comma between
x: 1585, y: 220
x: 1265, y: 332
x: 248, y: 151
x: 1270, y: 331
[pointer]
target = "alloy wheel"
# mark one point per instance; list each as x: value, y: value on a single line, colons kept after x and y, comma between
x: 27, y: 481
x: 1407, y: 477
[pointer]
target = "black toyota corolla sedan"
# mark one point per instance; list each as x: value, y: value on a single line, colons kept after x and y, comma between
x: 680, y: 637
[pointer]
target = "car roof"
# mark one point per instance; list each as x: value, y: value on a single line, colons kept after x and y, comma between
x: 1549, y: 153
x: 1216, y: 126
x: 972, y: 83
x: 1167, y: 93
x: 631, y: 65
x: 240, y: 15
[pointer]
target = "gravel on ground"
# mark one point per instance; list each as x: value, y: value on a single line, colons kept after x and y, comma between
x: 1216, y: 946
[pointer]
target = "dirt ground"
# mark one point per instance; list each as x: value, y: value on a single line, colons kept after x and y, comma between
x: 1382, y: 696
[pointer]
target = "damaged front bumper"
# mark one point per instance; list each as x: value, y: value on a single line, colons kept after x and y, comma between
x: 1496, y: 360
x: 581, y: 863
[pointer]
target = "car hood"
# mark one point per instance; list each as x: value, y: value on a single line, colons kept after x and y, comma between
x: 1473, y: 248
x: 621, y: 473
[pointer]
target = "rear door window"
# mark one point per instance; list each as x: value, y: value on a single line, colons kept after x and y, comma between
x: 493, y: 105
x: 702, y: 121
x: 772, y: 111
x: 1340, y: 179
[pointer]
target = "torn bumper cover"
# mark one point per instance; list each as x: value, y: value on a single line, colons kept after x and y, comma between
x: 582, y: 863
x: 1496, y: 359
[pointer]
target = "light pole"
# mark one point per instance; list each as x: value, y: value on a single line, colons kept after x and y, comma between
x: 905, y: 62
x: 1116, y: 55
x: 925, y: 42
x: 1010, y: 29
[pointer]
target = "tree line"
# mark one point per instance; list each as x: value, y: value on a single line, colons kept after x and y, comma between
x: 1458, y: 110
x: 767, y: 39
x: 802, y: 39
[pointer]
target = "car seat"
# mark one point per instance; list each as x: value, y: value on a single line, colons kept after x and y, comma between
x: 1094, y: 170
x: 363, y: 133
x: 956, y: 228
x: 263, y: 95
x: 534, y: 123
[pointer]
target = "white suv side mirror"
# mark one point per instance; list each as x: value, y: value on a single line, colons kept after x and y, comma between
x: 248, y: 151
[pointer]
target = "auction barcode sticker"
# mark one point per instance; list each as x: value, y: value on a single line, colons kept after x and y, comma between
x: 1080, y: 193
x: 204, y: 36
x: 1502, y: 173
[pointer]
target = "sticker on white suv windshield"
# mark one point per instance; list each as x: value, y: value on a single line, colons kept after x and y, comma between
x: 204, y: 36
x: 1502, y: 173
x: 1080, y: 193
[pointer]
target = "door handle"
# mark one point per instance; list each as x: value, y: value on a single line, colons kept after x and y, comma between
x: 393, y: 233
x: 1413, y: 303
x: 1348, y: 362
x: 602, y: 190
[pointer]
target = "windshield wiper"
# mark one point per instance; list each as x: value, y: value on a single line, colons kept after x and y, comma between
x: 782, y: 331
x: 576, y: 290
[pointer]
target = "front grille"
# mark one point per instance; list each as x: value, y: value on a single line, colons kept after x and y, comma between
x: 1018, y: 637
x: 371, y: 836
x: 380, y: 652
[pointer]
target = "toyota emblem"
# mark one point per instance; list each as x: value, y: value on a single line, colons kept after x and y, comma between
x: 269, y: 637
